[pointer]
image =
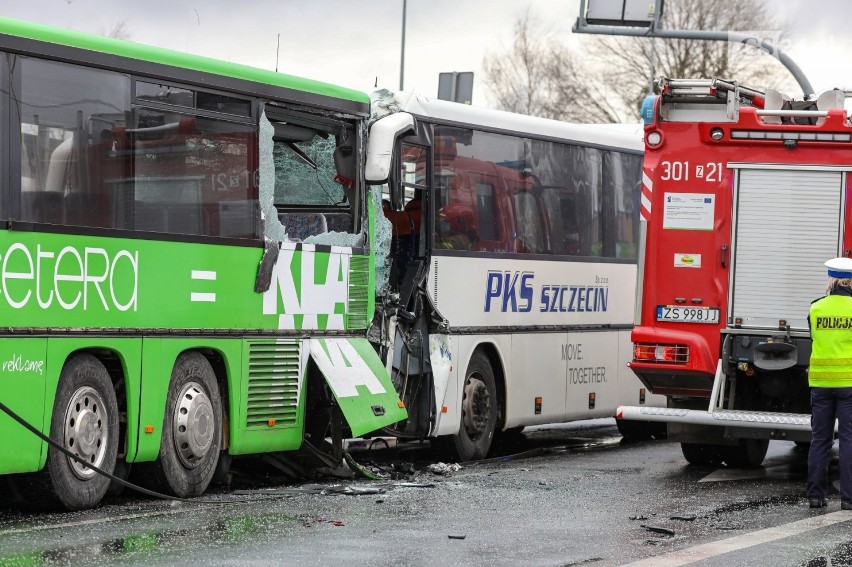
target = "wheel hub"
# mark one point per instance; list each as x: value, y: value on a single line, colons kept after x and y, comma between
x: 86, y: 431
x: 476, y: 408
x: 193, y: 425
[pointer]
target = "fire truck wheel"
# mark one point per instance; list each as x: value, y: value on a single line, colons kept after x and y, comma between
x: 702, y: 454
x: 85, y: 422
x: 192, y: 429
x: 479, y: 413
x: 748, y: 453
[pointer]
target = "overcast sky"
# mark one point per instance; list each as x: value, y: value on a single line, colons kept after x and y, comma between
x: 357, y: 42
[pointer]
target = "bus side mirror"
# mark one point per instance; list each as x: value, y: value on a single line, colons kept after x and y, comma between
x: 383, y: 135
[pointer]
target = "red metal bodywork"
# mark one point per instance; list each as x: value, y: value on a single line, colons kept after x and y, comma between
x: 708, y: 285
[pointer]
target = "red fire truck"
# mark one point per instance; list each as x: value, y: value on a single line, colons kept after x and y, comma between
x: 744, y: 198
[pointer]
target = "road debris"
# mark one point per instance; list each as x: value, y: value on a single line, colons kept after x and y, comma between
x: 360, y: 469
x: 311, y: 522
x: 352, y: 490
x: 658, y: 530
x: 457, y: 536
x: 443, y: 468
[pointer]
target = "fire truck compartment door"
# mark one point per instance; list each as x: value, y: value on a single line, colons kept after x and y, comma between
x: 787, y: 223
x: 359, y: 382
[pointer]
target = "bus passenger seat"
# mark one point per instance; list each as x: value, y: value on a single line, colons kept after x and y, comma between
x: 76, y: 213
x: 41, y: 206
x: 414, y: 209
x: 299, y: 226
x: 184, y: 218
x: 339, y: 222
x: 149, y: 217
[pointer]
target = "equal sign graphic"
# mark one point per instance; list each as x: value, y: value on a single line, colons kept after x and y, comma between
x: 203, y: 275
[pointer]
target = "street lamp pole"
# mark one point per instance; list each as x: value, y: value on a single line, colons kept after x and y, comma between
x: 402, y: 50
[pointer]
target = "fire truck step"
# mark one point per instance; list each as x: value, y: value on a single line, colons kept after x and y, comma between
x: 730, y: 418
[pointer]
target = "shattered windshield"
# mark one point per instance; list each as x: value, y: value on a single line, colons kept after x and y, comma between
x: 308, y: 178
x: 305, y: 167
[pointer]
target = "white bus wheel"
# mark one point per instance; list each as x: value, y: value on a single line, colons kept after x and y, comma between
x: 479, y: 412
x: 192, y: 428
x: 85, y: 422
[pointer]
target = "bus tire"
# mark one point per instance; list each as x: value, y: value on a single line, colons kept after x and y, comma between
x: 747, y: 454
x: 85, y: 422
x: 192, y: 429
x: 479, y: 412
x: 702, y: 454
x: 507, y: 442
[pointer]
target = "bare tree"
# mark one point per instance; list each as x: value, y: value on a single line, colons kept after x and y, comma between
x: 539, y: 76
x: 628, y: 59
x: 544, y: 77
x: 516, y: 77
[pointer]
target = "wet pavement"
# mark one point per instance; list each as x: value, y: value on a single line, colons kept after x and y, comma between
x: 573, y: 495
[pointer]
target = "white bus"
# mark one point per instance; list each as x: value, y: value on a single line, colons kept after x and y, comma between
x: 508, y: 294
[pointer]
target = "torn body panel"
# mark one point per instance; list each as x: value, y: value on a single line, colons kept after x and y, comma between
x: 441, y: 359
x: 359, y: 382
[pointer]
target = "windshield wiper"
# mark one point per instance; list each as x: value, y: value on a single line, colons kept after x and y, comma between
x: 302, y: 155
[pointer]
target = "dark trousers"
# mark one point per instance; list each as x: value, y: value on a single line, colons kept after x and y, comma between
x: 826, y: 405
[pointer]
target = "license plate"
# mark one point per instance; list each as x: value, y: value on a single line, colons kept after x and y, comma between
x: 687, y: 314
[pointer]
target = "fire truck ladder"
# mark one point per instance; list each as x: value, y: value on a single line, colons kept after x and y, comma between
x: 706, y: 97
x: 718, y: 88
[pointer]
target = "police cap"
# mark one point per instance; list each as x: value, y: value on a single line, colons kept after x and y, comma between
x: 839, y: 267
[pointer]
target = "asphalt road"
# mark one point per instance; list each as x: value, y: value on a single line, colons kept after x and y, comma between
x: 576, y: 495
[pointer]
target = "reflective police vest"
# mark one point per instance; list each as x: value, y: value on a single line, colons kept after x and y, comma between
x: 831, y: 332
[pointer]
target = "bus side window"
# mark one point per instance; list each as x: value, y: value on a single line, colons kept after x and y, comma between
x: 486, y: 212
x: 529, y: 228
x: 62, y: 110
x: 622, y: 173
x: 190, y: 176
x: 561, y: 212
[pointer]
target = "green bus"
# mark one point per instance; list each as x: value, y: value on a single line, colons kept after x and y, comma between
x: 187, y: 270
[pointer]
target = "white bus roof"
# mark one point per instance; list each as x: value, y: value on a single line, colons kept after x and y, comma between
x: 626, y: 136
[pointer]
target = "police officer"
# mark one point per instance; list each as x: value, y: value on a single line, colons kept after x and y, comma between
x: 830, y: 378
